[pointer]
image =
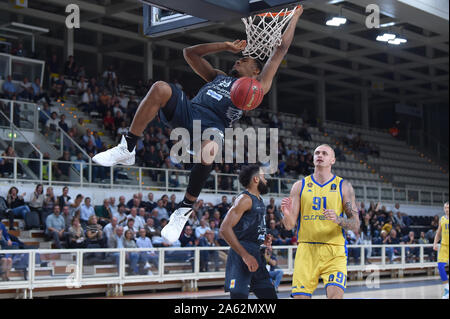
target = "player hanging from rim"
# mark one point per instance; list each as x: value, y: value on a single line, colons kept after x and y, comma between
x: 244, y: 229
x: 442, y: 234
x: 212, y: 106
x: 313, y: 204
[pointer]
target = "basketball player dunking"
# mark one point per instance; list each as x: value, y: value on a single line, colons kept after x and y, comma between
x: 212, y: 106
x: 244, y: 229
x: 313, y: 204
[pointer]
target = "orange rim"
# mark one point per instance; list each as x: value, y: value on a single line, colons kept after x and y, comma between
x: 274, y: 14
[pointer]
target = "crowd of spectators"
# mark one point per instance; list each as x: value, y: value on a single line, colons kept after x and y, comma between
x: 74, y: 222
x: 356, y: 143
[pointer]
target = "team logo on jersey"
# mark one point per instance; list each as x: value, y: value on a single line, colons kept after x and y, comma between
x: 232, y: 283
x: 310, y: 185
x: 225, y: 83
x: 333, y: 187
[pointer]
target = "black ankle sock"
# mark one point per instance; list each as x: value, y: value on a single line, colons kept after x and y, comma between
x: 131, y: 141
x: 186, y: 202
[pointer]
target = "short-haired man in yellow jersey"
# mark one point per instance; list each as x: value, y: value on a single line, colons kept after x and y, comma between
x: 317, y: 205
x: 442, y: 234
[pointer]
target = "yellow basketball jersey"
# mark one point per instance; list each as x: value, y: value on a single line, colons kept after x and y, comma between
x: 314, y: 199
x: 444, y: 230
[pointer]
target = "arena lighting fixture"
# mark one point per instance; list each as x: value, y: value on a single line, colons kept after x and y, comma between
x: 336, y: 21
x: 397, y: 41
x: 386, y: 37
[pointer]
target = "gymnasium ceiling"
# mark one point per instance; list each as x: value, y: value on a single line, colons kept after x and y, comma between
x: 347, y: 58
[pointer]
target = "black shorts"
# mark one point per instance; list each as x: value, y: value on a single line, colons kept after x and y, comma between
x: 238, y: 279
x: 180, y: 112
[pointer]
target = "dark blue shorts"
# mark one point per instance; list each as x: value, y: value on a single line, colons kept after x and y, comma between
x: 183, y: 113
x: 238, y: 279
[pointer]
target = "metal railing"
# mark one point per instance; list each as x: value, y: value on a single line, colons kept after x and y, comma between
x: 159, y: 179
x: 75, y: 268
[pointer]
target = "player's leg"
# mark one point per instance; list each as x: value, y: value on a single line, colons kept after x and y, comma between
x: 197, y: 179
x: 306, y: 276
x: 443, y: 256
x: 237, y: 276
x: 334, y: 270
x: 159, y: 97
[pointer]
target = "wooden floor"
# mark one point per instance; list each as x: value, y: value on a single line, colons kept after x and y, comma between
x: 406, y: 288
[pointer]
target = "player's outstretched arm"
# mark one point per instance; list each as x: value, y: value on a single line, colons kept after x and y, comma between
x: 271, y: 66
x: 352, y: 222
x: 437, y: 237
x: 242, y: 204
x: 194, y: 56
x: 290, y: 206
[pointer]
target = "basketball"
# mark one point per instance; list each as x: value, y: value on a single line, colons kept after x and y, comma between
x: 246, y: 93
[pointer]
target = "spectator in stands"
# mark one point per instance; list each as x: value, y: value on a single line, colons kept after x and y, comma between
x: 276, y: 236
x: 131, y: 227
x: 50, y: 200
x: 9, y: 88
x: 187, y: 239
x: 67, y: 216
x: 104, y: 103
x: 108, y: 123
x: 55, y: 227
x: 62, y: 123
x: 64, y: 198
x: 216, y: 219
x: 275, y: 273
x: 75, y: 206
x: 62, y: 169
x: 110, y: 78
x: 366, y: 236
x: 146, y: 257
x: 86, y: 212
x: 6, y: 212
x: 110, y: 228
x: 122, y: 130
x: 411, y: 252
x: 354, y: 239
x: 80, y: 128
x: 172, y: 204
x: 391, y: 239
x: 38, y: 92
x: 94, y: 234
x: 202, y: 228
x: 140, y: 89
x: 162, y: 211
x: 223, y: 207
x: 19, y: 50
x: 423, y: 240
x: 16, y: 203
x: 139, y: 222
x: 36, y: 202
x: 133, y: 257
x: 26, y: 90
x: 70, y: 67
x: 51, y: 127
x: 59, y: 88
x: 121, y: 216
x: 151, y: 229
x: 53, y: 67
x: 76, y: 236
x: 103, y: 213
x: 193, y: 221
x: 208, y: 240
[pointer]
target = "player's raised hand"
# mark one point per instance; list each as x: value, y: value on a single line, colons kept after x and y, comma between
x: 251, y: 262
x: 236, y: 46
x: 330, y: 215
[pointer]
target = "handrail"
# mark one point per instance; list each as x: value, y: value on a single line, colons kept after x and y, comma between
x: 385, y: 193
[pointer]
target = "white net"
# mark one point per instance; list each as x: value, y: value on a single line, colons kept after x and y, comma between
x: 264, y: 33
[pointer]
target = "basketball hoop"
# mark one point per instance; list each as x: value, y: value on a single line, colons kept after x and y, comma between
x: 264, y: 32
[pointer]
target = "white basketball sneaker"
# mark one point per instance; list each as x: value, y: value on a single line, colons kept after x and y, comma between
x: 116, y: 155
x: 445, y: 295
x: 172, y: 231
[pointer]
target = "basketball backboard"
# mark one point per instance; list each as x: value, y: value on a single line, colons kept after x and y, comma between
x: 163, y: 17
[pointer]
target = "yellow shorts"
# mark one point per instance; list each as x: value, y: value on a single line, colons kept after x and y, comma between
x: 443, y: 254
x: 313, y: 261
